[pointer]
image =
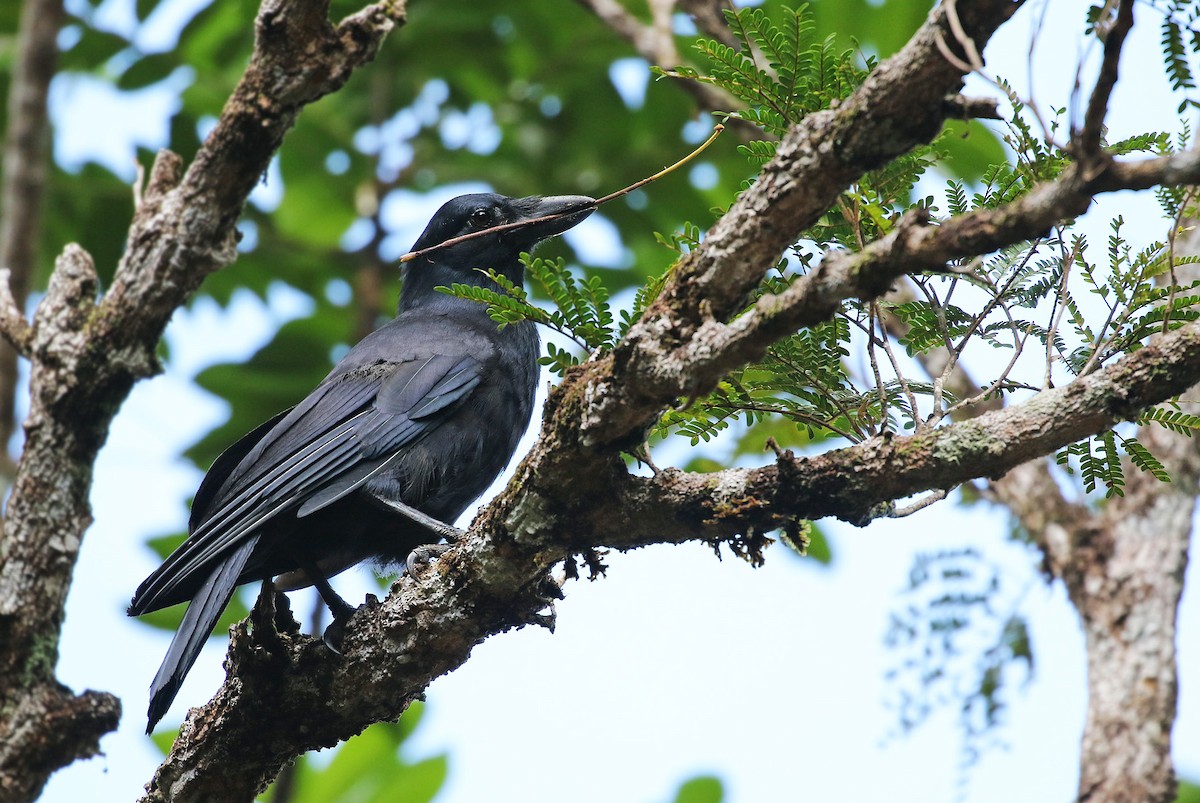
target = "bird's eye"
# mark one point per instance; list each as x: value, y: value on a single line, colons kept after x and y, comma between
x: 480, y: 218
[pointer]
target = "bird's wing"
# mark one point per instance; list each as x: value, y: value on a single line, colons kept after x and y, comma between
x: 326, y: 446
x: 225, y: 464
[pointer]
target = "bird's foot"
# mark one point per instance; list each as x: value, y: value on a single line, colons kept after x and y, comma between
x: 339, y: 609
x: 423, y: 555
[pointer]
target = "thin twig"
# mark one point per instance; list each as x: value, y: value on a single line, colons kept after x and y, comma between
x: 411, y: 255
x: 1086, y: 141
x: 887, y: 349
x: 1057, y: 309
x: 920, y: 504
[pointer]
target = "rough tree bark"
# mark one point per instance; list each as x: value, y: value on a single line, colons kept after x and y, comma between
x: 87, y: 352
x: 285, y: 692
x: 23, y: 182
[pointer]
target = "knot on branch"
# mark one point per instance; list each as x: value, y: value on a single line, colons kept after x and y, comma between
x: 299, y: 56
x: 164, y: 177
x: 57, y: 728
x: 67, y: 306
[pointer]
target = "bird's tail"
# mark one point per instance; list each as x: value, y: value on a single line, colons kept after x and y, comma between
x: 201, y: 616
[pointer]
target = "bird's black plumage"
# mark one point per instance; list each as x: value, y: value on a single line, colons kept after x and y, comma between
x: 426, y: 411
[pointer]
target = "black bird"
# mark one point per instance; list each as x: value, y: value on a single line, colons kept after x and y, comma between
x: 422, y: 414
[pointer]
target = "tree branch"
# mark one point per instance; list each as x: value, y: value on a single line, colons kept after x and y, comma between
x: 493, y: 580
x: 22, y: 190
x: 1086, y: 141
x: 910, y: 247
x: 656, y: 44
x: 87, y: 354
x: 899, y: 106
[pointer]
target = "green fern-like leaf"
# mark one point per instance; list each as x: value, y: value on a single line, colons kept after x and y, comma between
x: 1140, y: 457
x: 1175, y: 53
x: 1174, y: 420
x: 503, y: 308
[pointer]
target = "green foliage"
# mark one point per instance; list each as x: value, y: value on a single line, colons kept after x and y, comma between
x: 371, y: 768
x: 803, y: 73
x: 1189, y: 792
x: 701, y: 789
x: 581, y: 309
x: 956, y: 647
x: 1174, y: 420
x: 1180, y: 40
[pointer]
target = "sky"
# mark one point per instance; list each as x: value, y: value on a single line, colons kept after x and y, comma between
x: 675, y: 664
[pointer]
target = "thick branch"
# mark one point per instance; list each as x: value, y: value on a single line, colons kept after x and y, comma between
x: 22, y: 190
x: 493, y: 580
x: 899, y: 106
x: 86, y: 355
x: 858, y: 483
x: 43, y: 726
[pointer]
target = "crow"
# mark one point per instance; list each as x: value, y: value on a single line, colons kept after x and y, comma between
x: 406, y: 431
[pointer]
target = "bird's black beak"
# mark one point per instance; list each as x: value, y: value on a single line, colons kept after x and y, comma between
x: 561, y: 212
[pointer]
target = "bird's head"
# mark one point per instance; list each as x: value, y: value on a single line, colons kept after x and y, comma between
x: 499, y: 250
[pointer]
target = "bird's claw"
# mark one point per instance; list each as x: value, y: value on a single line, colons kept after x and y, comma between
x: 423, y: 555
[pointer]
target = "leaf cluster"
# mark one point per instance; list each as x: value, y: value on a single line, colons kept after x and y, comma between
x: 802, y: 73
x: 1179, y: 36
x: 959, y: 640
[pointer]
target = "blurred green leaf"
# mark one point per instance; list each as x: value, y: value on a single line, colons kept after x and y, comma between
x: 163, y: 738
x: 1189, y: 792
x: 882, y: 26
x: 148, y: 70
x: 371, y: 768
x: 971, y: 148
x: 702, y: 789
x: 92, y: 51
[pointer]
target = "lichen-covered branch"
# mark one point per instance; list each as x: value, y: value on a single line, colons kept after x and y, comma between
x: 43, y: 725
x: 86, y: 354
x: 494, y: 581
x: 899, y: 106
x: 286, y: 692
